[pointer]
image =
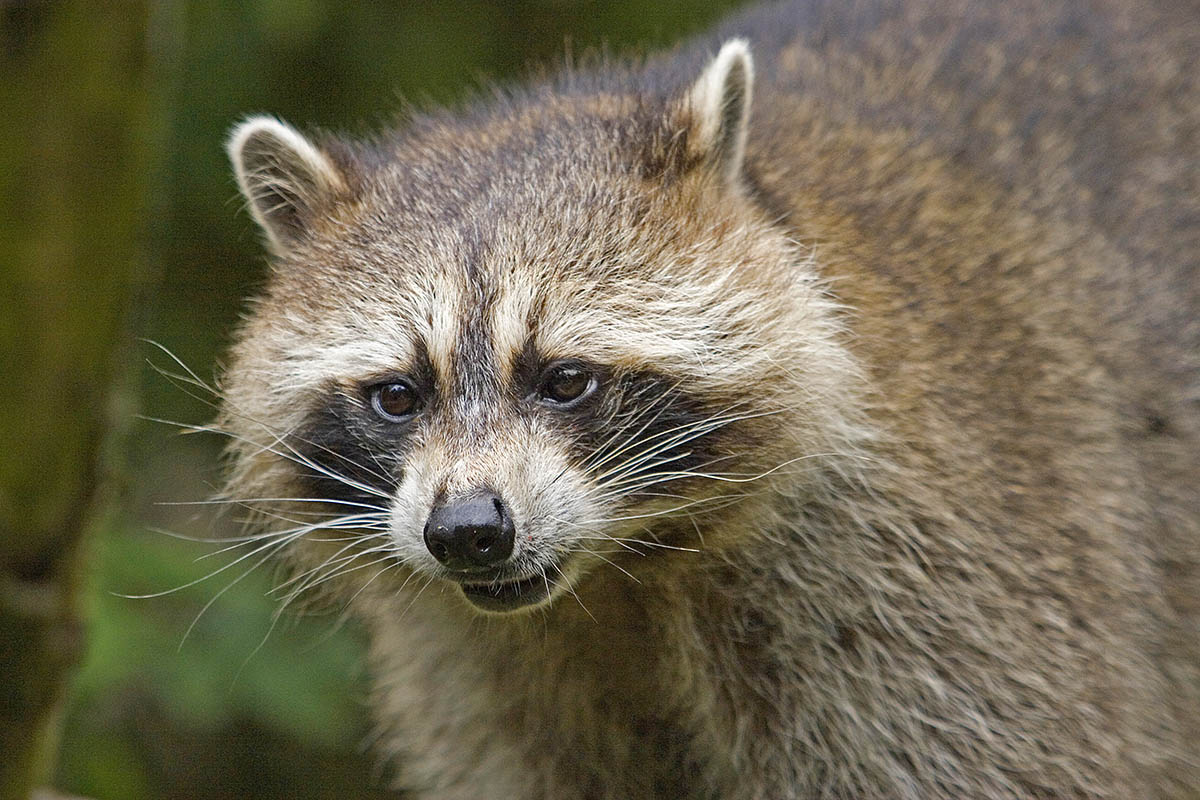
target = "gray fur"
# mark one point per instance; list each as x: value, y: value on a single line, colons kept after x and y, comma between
x: 908, y: 353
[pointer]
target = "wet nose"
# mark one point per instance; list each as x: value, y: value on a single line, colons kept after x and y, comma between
x: 470, y: 533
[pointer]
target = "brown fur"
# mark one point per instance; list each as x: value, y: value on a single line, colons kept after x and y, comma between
x: 954, y: 287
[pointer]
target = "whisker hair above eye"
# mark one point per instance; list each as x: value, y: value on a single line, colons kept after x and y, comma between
x: 278, y: 437
x: 192, y: 377
x: 291, y: 455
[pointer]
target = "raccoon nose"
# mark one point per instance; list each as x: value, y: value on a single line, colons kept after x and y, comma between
x: 470, y: 533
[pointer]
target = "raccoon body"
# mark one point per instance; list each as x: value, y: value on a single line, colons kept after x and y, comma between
x: 811, y: 412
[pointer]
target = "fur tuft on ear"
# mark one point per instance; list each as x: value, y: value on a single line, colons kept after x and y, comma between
x: 283, y: 177
x: 719, y: 103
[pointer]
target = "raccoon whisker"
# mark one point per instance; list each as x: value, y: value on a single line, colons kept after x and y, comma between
x: 654, y: 541
x: 663, y: 512
x: 274, y: 541
x: 416, y: 596
x: 600, y: 535
x: 300, y: 580
x: 299, y: 458
x: 624, y: 547
x: 688, y: 431
x: 344, y: 567
x: 711, y: 504
x: 207, y: 539
x: 725, y: 500
x: 575, y: 594
x: 335, y: 559
x: 617, y: 551
x: 371, y: 521
x: 240, y: 540
x: 278, y: 438
x: 248, y: 500
x: 629, y: 441
x: 684, y: 435
x: 225, y: 589
x: 292, y: 513
x: 634, y: 471
x: 645, y: 543
x: 193, y: 379
x: 354, y: 537
x: 235, y: 545
x: 390, y: 561
x: 633, y: 439
x: 729, y: 477
x: 640, y: 477
x: 370, y: 517
x: 291, y: 455
x: 382, y: 472
x: 257, y: 648
x: 275, y: 617
x: 664, y: 477
x: 296, y: 591
x: 404, y: 583
x: 614, y: 564
x: 180, y: 382
x: 345, y: 614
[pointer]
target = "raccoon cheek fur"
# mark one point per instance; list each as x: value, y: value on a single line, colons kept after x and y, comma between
x: 830, y: 433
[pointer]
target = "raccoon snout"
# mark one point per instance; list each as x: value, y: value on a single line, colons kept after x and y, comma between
x: 468, y: 533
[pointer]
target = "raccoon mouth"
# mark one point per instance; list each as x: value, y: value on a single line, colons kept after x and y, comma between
x: 512, y: 595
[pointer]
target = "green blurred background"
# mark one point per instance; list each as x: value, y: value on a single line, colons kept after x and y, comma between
x: 111, y: 161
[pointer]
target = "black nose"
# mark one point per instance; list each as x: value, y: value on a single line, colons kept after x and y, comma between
x: 470, y: 532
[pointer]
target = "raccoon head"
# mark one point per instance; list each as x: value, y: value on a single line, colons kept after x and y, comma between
x: 504, y: 347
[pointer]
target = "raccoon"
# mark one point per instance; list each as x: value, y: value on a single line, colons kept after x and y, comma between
x: 811, y: 411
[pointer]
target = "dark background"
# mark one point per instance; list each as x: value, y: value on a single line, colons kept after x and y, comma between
x: 121, y: 227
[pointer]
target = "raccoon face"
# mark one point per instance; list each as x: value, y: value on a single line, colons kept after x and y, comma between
x: 507, y: 350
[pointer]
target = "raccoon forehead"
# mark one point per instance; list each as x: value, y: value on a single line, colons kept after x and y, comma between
x: 374, y: 305
x: 699, y: 329
x: 444, y: 322
x: 315, y: 327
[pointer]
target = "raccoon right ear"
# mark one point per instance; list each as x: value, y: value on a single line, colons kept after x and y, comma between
x: 283, y: 176
x: 719, y: 106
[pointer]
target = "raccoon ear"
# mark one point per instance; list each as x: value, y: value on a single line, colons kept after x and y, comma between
x: 719, y: 109
x: 283, y: 177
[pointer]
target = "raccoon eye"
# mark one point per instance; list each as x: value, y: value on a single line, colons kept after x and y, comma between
x: 566, y: 383
x: 395, y: 402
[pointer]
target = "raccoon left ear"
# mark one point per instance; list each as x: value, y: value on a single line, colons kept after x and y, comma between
x: 718, y: 105
x: 285, y: 178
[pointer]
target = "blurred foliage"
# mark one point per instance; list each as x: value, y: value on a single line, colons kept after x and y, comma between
x: 235, y: 706
x: 75, y: 156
